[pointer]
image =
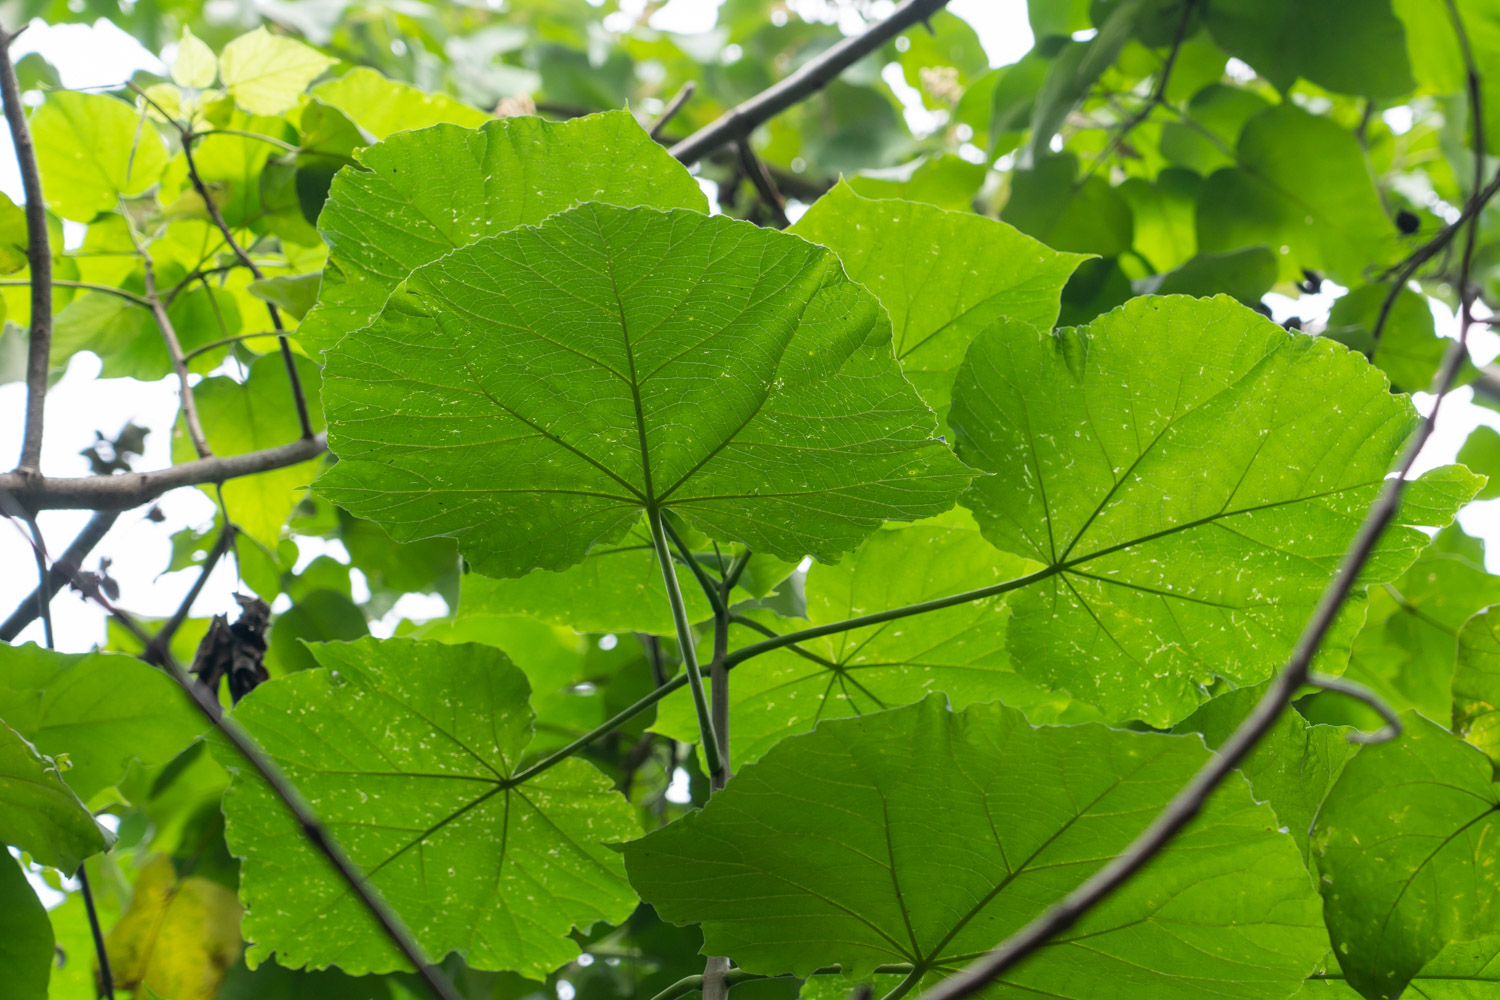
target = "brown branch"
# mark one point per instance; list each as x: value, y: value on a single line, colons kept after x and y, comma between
x: 106, y: 981
x: 39, y: 256
x: 161, y: 644
x: 86, y: 285
x: 765, y: 186
x: 179, y: 363
x: 673, y: 106
x: 1186, y: 804
x: 739, y: 121
x: 132, y: 489
x: 62, y: 570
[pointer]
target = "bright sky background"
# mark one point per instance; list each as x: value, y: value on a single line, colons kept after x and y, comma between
x: 80, y: 403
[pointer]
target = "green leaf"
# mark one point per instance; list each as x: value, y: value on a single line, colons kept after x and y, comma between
x: 1406, y: 842
x: 100, y: 710
x: 1163, y: 212
x: 93, y: 150
x: 617, y: 588
x: 381, y: 106
x: 195, y: 65
x: 266, y: 74
x: 1193, y: 474
x: 293, y: 293
x: 1048, y: 201
x: 320, y: 616
x: 407, y: 749
x: 959, y: 651
x: 1465, y: 970
x: 1481, y: 453
x: 25, y: 936
x: 258, y: 413
x: 14, y: 238
x: 1409, y: 351
x: 1351, y: 46
x: 425, y: 193
x: 944, y: 181
x: 1476, y: 684
x: 942, y: 276
x: 619, y: 360
x: 1301, y: 184
x: 1293, y: 766
x: 38, y: 813
x: 1246, y: 275
x: 923, y: 835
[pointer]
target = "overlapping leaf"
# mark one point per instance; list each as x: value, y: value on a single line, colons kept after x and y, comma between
x: 25, y: 936
x: 1407, y: 846
x: 959, y: 651
x: 93, y: 150
x: 1476, y: 684
x: 533, y: 393
x: 1192, y: 474
x: 943, y: 276
x: 406, y: 750
x: 38, y: 813
x: 922, y: 835
x: 427, y: 192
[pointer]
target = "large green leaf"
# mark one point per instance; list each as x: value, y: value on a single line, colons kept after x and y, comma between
x: 942, y: 276
x: 101, y: 710
x: 1302, y: 184
x: 40, y: 814
x: 533, y: 393
x: 959, y: 651
x: 406, y: 750
x: 266, y: 73
x: 381, y: 106
x: 926, y: 836
x: 1467, y: 970
x: 25, y: 936
x: 93, y: 150
x: 1293, y: 765
x: 1407, y: 845
x: 424, y: 193
x: 1351, y: 46
x: 246, y: 416
x: 1476, y: 684
x: 1192, y: 474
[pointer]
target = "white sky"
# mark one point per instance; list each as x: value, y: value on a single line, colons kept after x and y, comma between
x: 80, y: 403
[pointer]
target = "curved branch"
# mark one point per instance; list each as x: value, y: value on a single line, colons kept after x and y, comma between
x: 740, y: 121
x: 62, y: 571
x: 38, y: 255
x: 37, y: 493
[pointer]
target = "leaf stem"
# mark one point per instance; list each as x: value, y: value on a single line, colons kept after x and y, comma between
x: 86, y: 285
x: 106, y: 983
x: 684, y: 628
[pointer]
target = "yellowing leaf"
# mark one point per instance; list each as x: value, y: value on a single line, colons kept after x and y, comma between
x: 178, y: 938
x: 265, y: 73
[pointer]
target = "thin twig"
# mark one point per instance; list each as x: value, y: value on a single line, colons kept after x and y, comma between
x: 813, y: 75
x: 85, y: 285
x: 298, y: 396
x: 1359, y: 692
x: 179, y: 364
x: 1190, y: 800
x: 62, y: 569
x: 162, y: 641
x: 132, y: 489
x: 106, y: 980
x: 246, y: 746
x: 39, y: 256
x: 673, y: 106
x: 225, y: 342
x: 765, y: 187
x: 43, y: 596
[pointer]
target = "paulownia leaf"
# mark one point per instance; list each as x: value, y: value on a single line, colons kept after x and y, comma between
x: 406, y: 750
x: 1476, y: 684
x: 40, y: 814
x: 425, y: 193
x: 93, y: 150
x: 533, y: 393
x: 1293, y: 765
x: 381, y: 106
x: 25, y: 936
x: 959, y: 651
x: 922, y: 835
x: 1466, y: 970
x: 1407, y: 845
x: 266, y: 73
x: 103, y: 710
x: 942, y: 276
x: 1191, y: 474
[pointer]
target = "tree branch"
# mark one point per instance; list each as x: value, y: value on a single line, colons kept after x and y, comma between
x: 39, y: 256
x: 765, y: 187
x: 62, y: 571
x: 670, y: 111
x: 161, y: 643
x: 740, y: 121
x: 86, y: 285
x: 174, y: 351
x: 131, y: 489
